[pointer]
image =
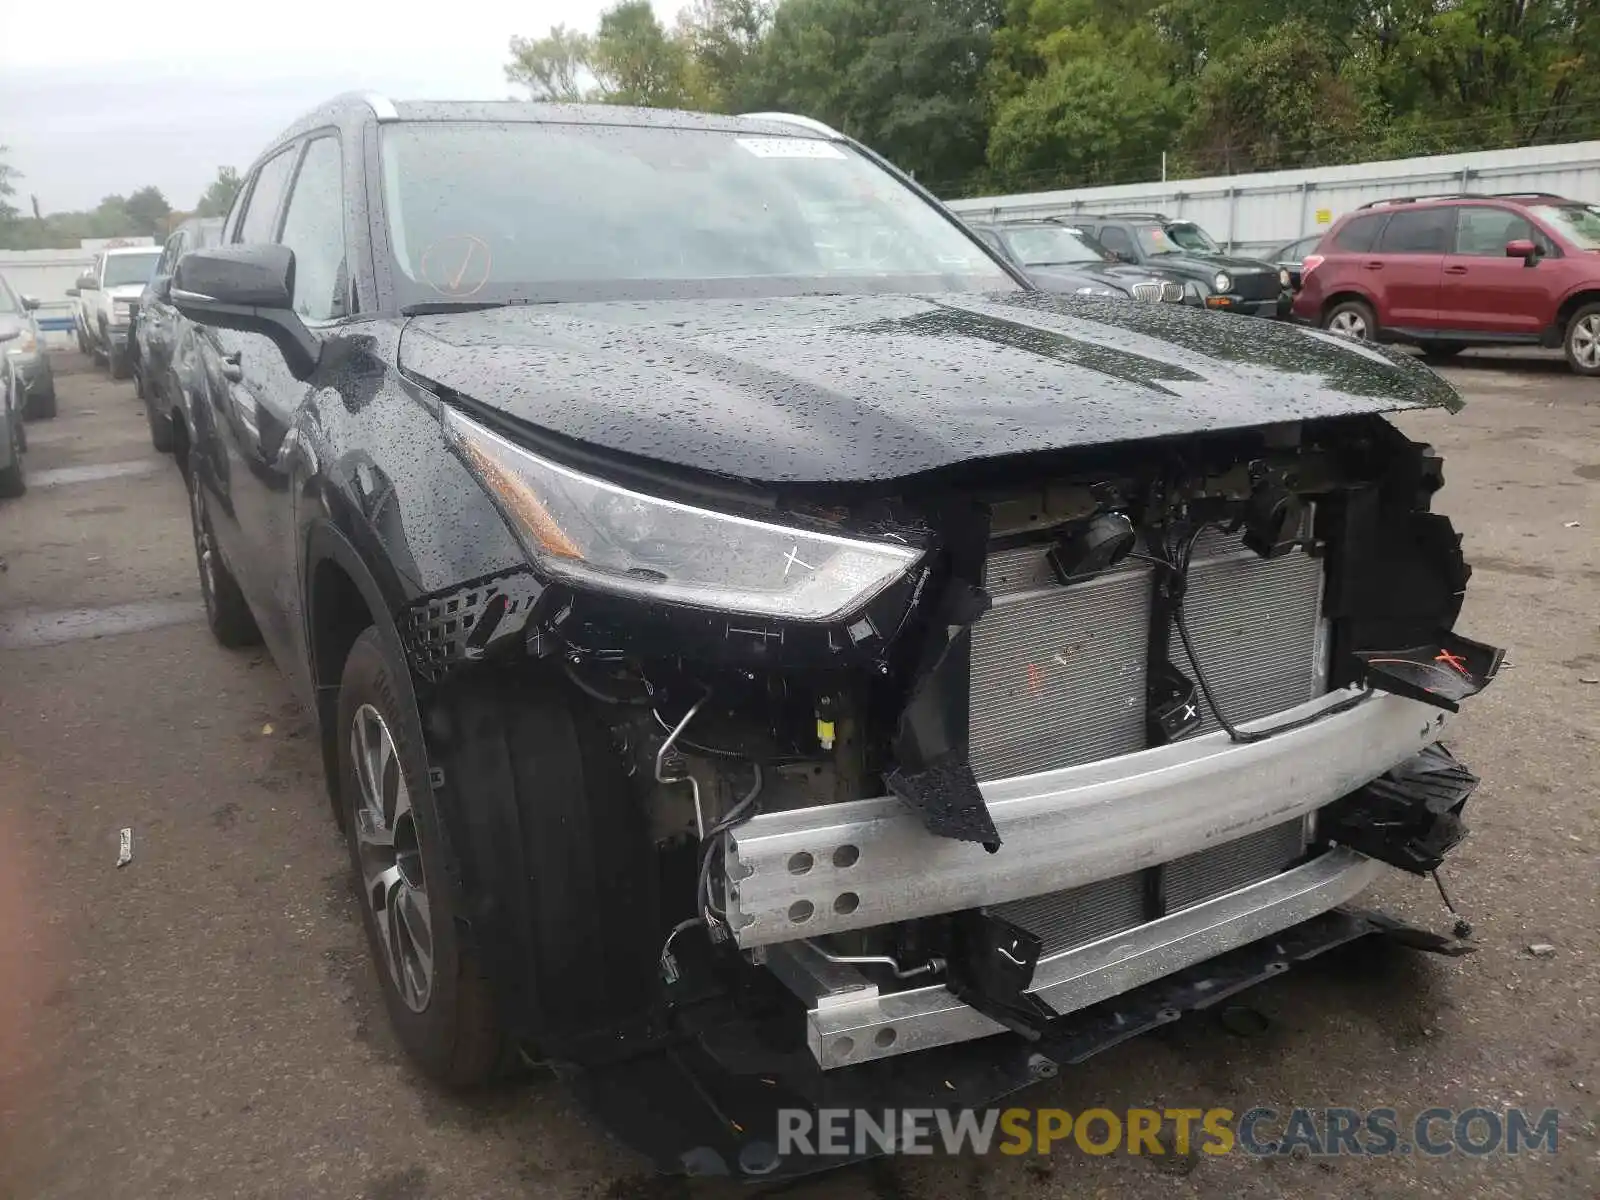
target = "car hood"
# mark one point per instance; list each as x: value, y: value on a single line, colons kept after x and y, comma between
x: 865, y: 389
x: 1191, y: 260
x: 125, y: 291
x: 1071, y: 278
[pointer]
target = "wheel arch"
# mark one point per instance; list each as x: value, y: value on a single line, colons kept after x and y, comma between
x: 342, y: 597
x: 1344, y: 295
x: 1571, y: 304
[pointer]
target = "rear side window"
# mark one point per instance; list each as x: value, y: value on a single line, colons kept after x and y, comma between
x: 1361, y: 234
x: 1485, y: 231
x: 313, y: 227
x: 261, y: 211
x: 1421, y: 231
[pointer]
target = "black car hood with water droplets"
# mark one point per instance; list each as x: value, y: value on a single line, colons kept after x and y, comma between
x: 866, y: 389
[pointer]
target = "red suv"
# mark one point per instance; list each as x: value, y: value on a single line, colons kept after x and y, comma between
x: 1445, y: 273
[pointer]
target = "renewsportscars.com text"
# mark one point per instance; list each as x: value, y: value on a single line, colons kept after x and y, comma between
x: 1257, y: 1131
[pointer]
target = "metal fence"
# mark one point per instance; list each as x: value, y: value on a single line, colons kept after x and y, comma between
x: 1257, y: 213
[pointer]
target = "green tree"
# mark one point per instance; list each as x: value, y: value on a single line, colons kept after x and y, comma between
x: 1276, y: 101
x: 1086, y: 120
x: 218, y: 196
x: 147, y: 211
x: 634, y: 60
x: 722, y: 39
x: 554, y: 67
x: 903, y: 76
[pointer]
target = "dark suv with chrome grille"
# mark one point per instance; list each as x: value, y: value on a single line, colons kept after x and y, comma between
x: 1227, y: 282
x: 768, y: 654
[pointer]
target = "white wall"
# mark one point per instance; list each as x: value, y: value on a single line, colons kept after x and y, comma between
x: 46, y: 275
x: 1256, y: 213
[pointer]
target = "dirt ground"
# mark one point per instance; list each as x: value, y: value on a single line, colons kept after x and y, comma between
x: 209, y: 1023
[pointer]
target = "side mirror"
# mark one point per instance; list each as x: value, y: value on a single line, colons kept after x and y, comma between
x: 88, y: 283
x: 161, y: 289
x: 7, y: 334
x: 30, y: 303
x: 72, y: 291
x: 249, y: 288
x: 1524, y: 249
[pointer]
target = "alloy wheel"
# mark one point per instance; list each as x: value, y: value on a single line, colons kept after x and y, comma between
x: 1349, y: 323
x: 393, y: 884
x: 1585, y: 342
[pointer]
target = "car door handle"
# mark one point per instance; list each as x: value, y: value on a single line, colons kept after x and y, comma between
x: 1373, y: 266
x: 231, y: 370
x: 1455, y: 270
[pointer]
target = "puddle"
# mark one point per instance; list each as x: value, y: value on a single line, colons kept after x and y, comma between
x: 22, y: 629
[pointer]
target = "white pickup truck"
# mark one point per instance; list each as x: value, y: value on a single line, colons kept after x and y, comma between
x: 106, y: 295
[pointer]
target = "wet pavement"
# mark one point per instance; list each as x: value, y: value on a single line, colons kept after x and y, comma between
x: 208, y: 1023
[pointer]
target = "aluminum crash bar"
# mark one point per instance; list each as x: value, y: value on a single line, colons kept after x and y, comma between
x: 810, y: 871
x: 852, y: 1025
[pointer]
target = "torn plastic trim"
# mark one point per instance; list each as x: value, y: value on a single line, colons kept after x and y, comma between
x: 1410, y: 816
x: 872, y: 862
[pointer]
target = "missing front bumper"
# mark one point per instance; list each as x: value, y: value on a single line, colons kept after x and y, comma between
x: 806, y: 872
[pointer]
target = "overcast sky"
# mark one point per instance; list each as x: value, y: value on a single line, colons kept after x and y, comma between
x: 99, y: 98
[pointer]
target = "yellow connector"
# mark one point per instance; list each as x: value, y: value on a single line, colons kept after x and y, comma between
x: 825, y: 733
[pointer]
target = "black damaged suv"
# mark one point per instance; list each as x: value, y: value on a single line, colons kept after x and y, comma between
x: 765, y: 653
x: 1230, y: 283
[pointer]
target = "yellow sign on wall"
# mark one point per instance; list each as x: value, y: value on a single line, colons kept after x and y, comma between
x: 1324, y: 216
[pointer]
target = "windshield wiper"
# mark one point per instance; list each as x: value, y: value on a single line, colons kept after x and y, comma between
x: 427, y: 308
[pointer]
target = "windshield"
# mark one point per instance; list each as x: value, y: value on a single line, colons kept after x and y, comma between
x: 130, y: 268
x: 1053, y: 245
x: 1176, y: 238
x: 549, y: 212
x: 1578, y: 223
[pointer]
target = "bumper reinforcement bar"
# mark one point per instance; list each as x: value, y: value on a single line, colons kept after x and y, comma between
x: 806, y: 872
x: 851, y: 1026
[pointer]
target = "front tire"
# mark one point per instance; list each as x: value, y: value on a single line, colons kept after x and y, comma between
x: 439, y: 1000
x: 1582, y: 340
x: 160, y: 426
x: 226, y: 611
x: 1352, y: 319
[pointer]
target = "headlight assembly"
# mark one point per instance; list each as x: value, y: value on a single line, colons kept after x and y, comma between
x: 590, y: 532
x: 1222, y: 282
x: 1283, y: 276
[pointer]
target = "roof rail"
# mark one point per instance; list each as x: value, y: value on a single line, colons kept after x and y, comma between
x: 811, y: 123
x: 1464, y: 196
x: 382, y: 107
x: 1134, y: 215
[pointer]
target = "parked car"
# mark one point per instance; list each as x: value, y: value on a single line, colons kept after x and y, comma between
x: 13, y: 433
x: 1062, y: 258
x: 159, y: 330
x: 1231, y: 283
x: 26, y: 352
x: 107, y: 293
x: 730, y: 657
x: 1449, y: 272
x: 1289, y: 257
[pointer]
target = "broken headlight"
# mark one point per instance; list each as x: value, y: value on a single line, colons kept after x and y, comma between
x: 587, y: 531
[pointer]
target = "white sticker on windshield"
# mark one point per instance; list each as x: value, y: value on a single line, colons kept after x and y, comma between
x: 787, y: 147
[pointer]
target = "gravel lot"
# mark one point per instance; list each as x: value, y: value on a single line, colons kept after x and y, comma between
x: 212, y: 1027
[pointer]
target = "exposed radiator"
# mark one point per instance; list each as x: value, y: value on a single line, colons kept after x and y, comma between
x: 1077, y: 916
x: 1058, y: 673
x: 1257, y: 629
